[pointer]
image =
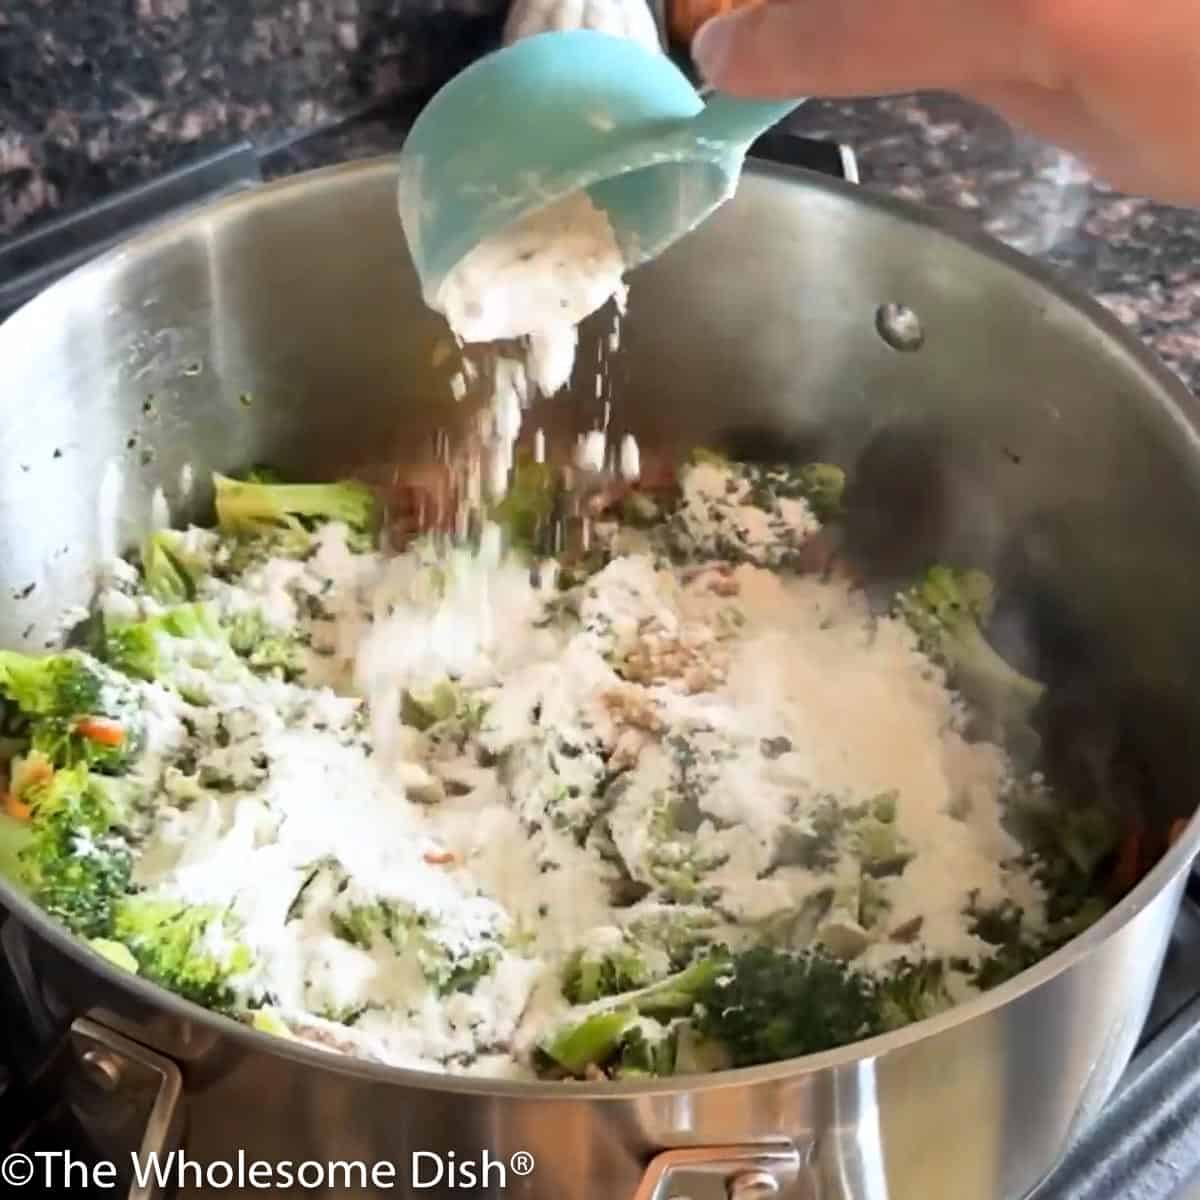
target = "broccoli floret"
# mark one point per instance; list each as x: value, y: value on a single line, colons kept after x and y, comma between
x: 1016, y: 946
x: 447, y: 965
x: 591, y: 1042
x: 117, y: 953
x: 55, y: 685
x: 947, y: 610
x: 820, y: 485
x: 78, y: 709
x: 253, y: 509
x: 15, y: 836
x: 1051, y: 826
x: 129, y: 647
x: 675, y: 860
x: 647, y: 1049
x: 193, y: 950
x: 267, y: 1020
x: 769, y: 1005
x: 362, y: 924
x: 267, y: 650
x: 77, y: 862
x: 151, y: 649
x: 912, y: 992
x: 526, y: 513
x: 680, y: 932
x: 590, y: 975
x: 170, y: 573
x: 593, y: 1039
x: 812, y: 845
x: 878, y: 844
x: 731, y: 1010
x: 444, y: 704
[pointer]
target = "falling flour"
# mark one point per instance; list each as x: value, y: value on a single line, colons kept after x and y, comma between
x: 537, y: 280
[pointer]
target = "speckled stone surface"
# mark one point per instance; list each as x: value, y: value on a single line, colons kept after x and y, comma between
x: 99, y: 94
x: 96, y: 95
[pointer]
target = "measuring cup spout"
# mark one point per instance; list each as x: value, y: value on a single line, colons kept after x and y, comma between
x: 739, y: 122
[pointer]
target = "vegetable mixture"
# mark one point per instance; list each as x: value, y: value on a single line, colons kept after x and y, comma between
x: 673, y: 800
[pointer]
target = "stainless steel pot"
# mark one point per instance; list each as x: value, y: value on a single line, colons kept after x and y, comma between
x: 1017, y: 426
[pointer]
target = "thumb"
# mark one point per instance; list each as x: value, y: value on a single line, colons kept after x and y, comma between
x: 785, y: 48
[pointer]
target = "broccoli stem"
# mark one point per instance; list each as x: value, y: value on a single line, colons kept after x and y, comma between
x: 593, y: 1040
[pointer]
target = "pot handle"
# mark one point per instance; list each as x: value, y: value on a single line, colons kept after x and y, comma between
x: 129, y: 1100
x: 721, y: 1173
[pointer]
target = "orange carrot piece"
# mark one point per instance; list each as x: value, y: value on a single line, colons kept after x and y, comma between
x: 100, y: 730
x: 16, y: 808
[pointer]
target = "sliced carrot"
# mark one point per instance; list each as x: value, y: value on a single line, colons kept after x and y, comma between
x: 32, y: 770
x: 439, y: 858
x: 100, y: 730
x: 16, y: 808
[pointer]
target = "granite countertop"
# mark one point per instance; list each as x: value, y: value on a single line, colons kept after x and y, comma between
x: 101, y: 94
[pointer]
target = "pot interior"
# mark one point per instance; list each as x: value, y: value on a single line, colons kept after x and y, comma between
x: 1022, y: 434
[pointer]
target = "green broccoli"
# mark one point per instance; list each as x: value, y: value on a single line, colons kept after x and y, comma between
x: 445, y: 703
x: 812, y: 845
x: 947, y: 609
x: 1015, y: 945
x: 647, y: 1049
x: 151, y: 649
x: 15, y: 836
x: 130, y: 647
x: 1052, y: 827
x: 591, y: 1042
x: 267, y: 1020
x: 526, y: 512
x: 820, y: 485
x: 769, y: 1005
x: 78, y: 710
x: 170, y: 570
x: 912, y: 992
x: 447, y: 966
x: 267, y: 650
x: 194, y: 950
x: 680, y: 932
x: 876, y: 840
x: 591, y: 1039
x: 77, y: 862
x: 591, y: 974
x: 117, y: 953
x: 285, y: 513
x: 677, y: 861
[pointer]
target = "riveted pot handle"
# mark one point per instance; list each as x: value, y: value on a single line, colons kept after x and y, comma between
x: 721, y: 1173
x: 130, y: 1100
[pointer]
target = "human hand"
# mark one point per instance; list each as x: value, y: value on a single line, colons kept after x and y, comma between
x: 1115, y: 81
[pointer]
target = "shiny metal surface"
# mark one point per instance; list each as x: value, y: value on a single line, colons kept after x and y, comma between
x: 1026, y: 433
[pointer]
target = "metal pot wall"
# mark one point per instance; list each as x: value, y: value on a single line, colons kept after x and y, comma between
x: 1017, y: 427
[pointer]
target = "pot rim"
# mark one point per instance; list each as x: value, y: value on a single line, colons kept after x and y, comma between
x: 1178, y: 404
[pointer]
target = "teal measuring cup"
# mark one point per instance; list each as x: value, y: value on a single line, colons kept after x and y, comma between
x: 556, y: 112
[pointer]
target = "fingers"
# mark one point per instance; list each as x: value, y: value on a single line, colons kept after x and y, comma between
x: 831, y: 48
